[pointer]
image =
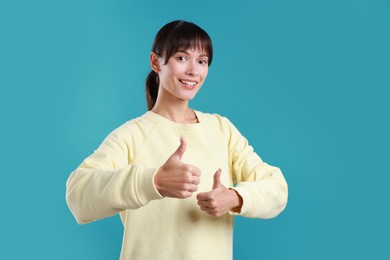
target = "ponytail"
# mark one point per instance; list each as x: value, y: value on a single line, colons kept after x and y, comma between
x: 151, y: 87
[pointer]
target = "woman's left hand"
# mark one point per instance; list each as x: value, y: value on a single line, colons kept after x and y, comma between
x: 220, y: 199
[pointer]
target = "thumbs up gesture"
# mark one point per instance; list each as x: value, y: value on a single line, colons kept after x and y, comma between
x: 176, y: 179
x: 220, y: 199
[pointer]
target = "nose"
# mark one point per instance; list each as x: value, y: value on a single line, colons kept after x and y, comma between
x: 192, y: 68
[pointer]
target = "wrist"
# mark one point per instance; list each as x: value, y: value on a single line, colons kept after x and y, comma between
x: 237, y: 201
x: 157, y: 182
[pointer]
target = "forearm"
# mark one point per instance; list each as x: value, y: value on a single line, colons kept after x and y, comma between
x: 264, y: 198
x: 93, y: 194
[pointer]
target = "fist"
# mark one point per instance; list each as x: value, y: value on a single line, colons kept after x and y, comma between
x: 220, y: 199
x: 176, y: 179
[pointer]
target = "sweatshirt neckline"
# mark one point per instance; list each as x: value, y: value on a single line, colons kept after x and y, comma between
x: 180, y: 127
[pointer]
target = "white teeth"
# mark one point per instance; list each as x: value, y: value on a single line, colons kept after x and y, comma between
x: 188, y: 82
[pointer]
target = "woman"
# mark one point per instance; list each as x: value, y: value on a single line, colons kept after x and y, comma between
x: 170, y: 173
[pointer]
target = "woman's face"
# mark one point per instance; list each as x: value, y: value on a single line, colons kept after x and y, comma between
x: 184, y: 73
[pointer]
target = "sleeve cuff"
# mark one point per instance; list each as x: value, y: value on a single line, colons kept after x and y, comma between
x: 247, y: 201
x: 146, y: 189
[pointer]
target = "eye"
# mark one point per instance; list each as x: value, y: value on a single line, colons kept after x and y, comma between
x: 181, y: 58
x: 203, y: 62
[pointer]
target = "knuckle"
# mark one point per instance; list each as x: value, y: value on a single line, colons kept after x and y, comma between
x: 196, y: 180
x: 187, y: 177
x: 212, y: 213
x: 196, y: 171
x: 186, y: 168
x: 186, y: 187
x: 185, y: 194
x: 215, y: 213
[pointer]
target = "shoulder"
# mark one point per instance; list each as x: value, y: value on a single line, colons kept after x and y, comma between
x: 214, y: 120
x: 137, y: 127
x: 144, y: 121
x: 223, y: 125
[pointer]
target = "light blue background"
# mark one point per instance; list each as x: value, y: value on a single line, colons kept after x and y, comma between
x: 307, y: 82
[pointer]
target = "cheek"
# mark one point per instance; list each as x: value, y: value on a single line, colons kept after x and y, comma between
x: 165, y: 74
x: 205, y: 73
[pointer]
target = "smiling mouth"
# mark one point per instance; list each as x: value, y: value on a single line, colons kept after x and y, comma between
x: 189, y: 83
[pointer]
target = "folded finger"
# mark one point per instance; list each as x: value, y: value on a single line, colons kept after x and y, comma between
x: 194, y: 170
x: 195, y: 180
x: 193, y: 187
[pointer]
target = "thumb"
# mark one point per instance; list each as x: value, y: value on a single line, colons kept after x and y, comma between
x: 217, y: 181
x: 178, y: 154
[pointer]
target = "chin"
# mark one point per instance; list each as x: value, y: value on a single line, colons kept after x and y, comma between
x: 187, y: 96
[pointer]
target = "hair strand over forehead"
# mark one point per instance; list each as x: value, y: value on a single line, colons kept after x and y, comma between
x: 181, y: 35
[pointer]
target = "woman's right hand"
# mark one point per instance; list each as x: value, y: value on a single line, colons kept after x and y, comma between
x: 176, y: 179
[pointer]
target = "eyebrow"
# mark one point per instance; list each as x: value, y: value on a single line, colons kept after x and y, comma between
x: 186, y: 52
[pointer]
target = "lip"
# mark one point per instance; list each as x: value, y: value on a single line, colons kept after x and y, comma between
x: 185, y: 82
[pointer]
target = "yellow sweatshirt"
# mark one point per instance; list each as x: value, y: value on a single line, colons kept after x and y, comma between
x: 119, y: 178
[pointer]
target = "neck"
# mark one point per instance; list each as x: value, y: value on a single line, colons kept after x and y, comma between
x: 174, y: 109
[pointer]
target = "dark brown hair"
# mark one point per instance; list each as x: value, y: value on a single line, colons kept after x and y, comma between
x: 172, y: 37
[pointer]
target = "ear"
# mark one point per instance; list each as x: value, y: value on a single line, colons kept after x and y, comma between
x: 154, y: 62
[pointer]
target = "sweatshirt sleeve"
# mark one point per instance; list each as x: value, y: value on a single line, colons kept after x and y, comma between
x: 262, y: 187
x: 107, y: 183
